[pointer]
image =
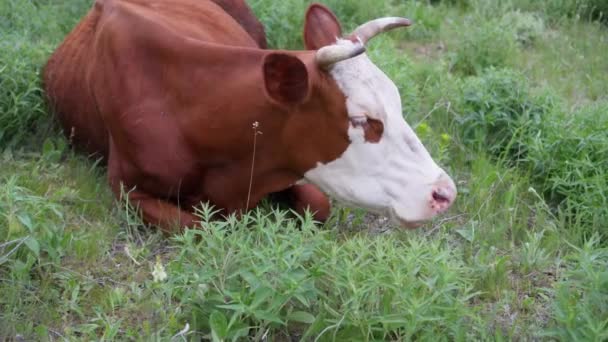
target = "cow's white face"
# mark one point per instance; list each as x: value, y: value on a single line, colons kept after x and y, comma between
x: 394, y: 175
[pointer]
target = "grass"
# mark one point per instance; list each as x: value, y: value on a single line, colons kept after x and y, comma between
x: 522, y: 256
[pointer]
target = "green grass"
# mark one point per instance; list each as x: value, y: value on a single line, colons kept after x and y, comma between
x: 510, y: 97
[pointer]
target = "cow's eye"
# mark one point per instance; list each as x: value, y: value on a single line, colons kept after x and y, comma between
x: 359, y: 120
x: 373, y: 128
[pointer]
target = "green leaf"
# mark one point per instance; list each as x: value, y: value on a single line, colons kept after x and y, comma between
x: 237, y: 331
x: 43, y: 332
x: 51, y: 151
x: 75, y: 293
x: 218, y: 324
x: 261, y: 295
x: 315, y: 327
x: 235, y: 307
x: 214, y: 337
x: 387, y: 302
x: 467, y: 234
x: 48, y: 147
x: 61, y: 145
x: 15, y: 227
x: 86, y: 328
x: 26, y: 221
x: 268, y: 317
x: 33, y: 245
x: 240, y: 333
x: 301, y: 316
x: 302, y: 299
x: 251, y: 279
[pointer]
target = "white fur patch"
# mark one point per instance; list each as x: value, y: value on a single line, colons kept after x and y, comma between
x: 394, y: 176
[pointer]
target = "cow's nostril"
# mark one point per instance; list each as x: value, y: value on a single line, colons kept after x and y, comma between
x: 441, y: 197
x: 443, y: 194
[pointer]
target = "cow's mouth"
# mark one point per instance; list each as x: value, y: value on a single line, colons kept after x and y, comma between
x: 409, y: 224
x: 403, y: 223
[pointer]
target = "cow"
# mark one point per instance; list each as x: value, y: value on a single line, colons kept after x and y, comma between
x: 186, y: 105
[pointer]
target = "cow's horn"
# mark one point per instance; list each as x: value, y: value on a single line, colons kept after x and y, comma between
x: 374, y: 27
x: 331, y: 54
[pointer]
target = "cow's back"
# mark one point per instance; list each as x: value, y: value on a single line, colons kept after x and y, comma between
x: 203, y: 20
x: 64, y: 79
x: 243, y: 14
x: 66, y: 74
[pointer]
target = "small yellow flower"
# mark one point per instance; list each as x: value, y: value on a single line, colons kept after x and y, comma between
x: 423, y: 129
x: 445, y: 138
x: 158, y: 273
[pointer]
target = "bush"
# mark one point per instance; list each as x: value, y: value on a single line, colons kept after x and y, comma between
x: 593, y: 10
x: 284, y: 21
x: 426, y: 20
x: 283, y: 28
x: 569, y: 163
x: 528, y: 27
x: 566, y: 155
x: 21, y: 102
x: 459, y: 3
x: 355, y: 13
x: 267, y: 274
x: 485, y: 43
x: 580, y: 306
x: 37, y: 199
x: 557, y: 9
x: 498, y: 113
x: 28, y: 33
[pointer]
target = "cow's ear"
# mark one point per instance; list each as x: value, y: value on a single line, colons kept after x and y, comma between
x: 321, y: 27
x: 285, y: 78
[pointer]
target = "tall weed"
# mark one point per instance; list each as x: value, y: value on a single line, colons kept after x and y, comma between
x: 564, y: 153
x: 21, y: 99
x: 528, y: 27
x: 485, y: 43
x: 558, y: 9
x: 500, y: 115
x: 29, y: 32
x: 244, y: 277
x: 568, y: 161
x: 580, y: 309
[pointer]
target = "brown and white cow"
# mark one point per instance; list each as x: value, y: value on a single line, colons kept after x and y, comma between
x: 168, y: 91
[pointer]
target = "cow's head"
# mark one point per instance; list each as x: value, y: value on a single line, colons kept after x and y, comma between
x: 349, y: 122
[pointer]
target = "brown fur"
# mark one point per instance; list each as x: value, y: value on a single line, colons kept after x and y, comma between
x: 168, y: 91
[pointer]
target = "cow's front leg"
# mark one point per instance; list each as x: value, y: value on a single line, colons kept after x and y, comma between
x: 153, y: 209
x: 308, y: 196
x: 167, y: 216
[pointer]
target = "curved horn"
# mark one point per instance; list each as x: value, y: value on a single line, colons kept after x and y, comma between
x: 374, y: 27
x: 331, y: 54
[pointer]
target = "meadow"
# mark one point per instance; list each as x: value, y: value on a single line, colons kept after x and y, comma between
x: 510, y: 97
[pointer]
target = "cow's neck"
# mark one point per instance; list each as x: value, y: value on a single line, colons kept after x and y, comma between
x: 233, y: 129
